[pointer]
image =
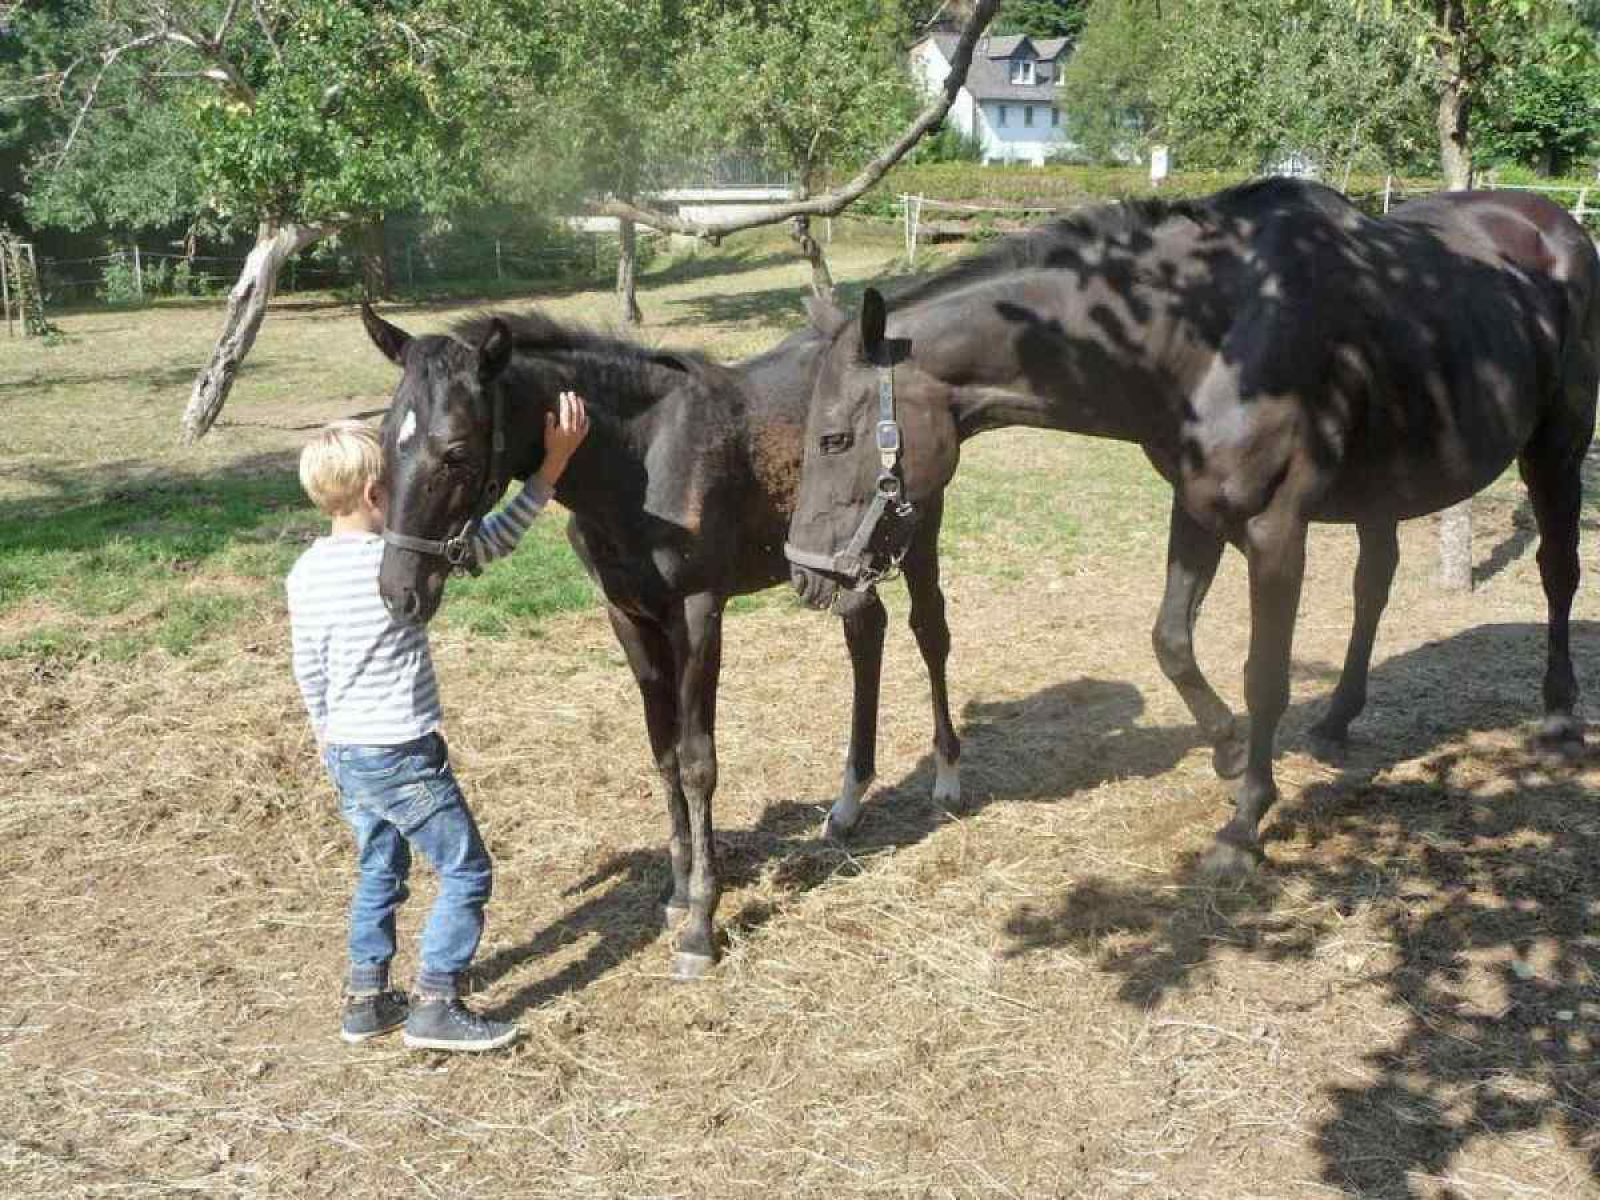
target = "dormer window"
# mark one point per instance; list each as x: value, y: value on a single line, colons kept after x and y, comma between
x: 1022, y: 72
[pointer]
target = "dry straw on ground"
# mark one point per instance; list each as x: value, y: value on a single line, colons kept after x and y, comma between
x: 1031, y: 997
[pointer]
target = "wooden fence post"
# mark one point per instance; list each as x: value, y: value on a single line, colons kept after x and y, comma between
x: 1388, y: 186
x: 138, y: 273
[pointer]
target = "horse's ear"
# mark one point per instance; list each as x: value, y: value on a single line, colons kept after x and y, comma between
x: 827, y: 318
x: 495, y: 350
x: 386, y: 337
x: 874, y: 322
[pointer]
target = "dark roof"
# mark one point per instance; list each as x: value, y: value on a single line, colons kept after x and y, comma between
x: 989, y: 76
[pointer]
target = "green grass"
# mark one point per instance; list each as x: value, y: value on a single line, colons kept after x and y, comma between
x: 115, y: 542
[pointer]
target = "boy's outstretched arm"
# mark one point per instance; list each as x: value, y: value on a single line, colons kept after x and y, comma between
x: 501, y: 532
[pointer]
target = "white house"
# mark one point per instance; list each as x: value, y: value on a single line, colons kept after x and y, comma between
x: 1009, y: 100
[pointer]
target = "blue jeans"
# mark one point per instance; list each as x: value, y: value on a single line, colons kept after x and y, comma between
x: 395, y: 798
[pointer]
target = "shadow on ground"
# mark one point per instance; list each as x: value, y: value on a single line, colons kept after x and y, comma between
x: 1478, y: 851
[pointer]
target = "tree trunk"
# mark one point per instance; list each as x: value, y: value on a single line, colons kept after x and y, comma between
x: 821, y: 277
x: 377, y: 273
x: 247, y: 306
x: 1453, y: 118
x: 627, y: 267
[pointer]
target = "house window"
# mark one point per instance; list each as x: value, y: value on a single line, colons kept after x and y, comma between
x: 1055, y: 116
x: 1022, y: 71
x: 1027, y: 114
x: 1003, y: 113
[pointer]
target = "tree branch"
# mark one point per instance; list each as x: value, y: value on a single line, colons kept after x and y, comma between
x: 225, y: 24
x: 107, y: 61
x: 266, y: 29
x: 830, y: 203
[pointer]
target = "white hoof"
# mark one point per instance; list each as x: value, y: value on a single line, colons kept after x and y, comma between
x: 947, y: 783
x: 846, y: 811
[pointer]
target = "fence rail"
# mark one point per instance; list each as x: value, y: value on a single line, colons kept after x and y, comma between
x: 135, y: 273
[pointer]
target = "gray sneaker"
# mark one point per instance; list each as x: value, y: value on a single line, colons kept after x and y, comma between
x: 373, y: 1014
x: 446, y: 1024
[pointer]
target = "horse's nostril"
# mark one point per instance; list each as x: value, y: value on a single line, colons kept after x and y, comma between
x: 410, y: 605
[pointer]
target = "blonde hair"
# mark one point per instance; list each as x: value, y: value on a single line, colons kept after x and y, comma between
x: 338, y: 463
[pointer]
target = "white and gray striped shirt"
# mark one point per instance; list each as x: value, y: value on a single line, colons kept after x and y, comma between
x: 368, y: 679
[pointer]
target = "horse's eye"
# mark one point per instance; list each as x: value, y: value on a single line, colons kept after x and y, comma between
x: 837, y: 443
x: 455, y: 457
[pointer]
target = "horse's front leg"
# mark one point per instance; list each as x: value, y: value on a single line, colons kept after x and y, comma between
x: 932, y: 632
x: 1193, y: 552
x: 1276, y: 546
x: 863, y: 636
x: 650, y: 658
x: 697, y: 647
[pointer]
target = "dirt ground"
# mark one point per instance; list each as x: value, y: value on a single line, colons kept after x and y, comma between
x: 1032, y: 997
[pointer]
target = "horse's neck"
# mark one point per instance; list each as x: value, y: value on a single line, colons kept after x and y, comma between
x: 619, y: 433
x: 1113, y: 355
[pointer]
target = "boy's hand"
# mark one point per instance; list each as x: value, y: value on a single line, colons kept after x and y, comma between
x: 563, y: 434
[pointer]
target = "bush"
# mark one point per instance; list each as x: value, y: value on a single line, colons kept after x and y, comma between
x: 117, y: 282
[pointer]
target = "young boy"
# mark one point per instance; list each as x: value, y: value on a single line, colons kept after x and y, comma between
x: 369, y: 687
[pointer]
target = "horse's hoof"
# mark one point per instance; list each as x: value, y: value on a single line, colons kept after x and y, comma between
x: 672, y: 915
x: 840, y: 823
x: 1560, y: 734
x: 1230, y: 757
x: 947, y: 786
x: 687, y: 967
x: 1228, y: 863
x: 1328, y: 741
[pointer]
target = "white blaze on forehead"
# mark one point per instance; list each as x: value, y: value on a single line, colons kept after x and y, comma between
x: 407, y: 428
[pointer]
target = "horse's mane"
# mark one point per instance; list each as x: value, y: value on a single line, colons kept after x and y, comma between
x: 1042, y: 245
x: 619, y: 369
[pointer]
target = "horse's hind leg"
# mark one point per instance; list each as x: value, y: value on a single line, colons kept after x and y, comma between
x: 1277, y: 552
x: 1193, y: 552
x: 650, y: 658
x: 697, y: 648
x: 1375, y: 567
x: 863, y: 635
x: 1552, y: 468
x: 932, y: 632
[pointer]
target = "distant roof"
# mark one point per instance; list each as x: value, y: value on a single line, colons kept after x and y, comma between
x: 989, y: 76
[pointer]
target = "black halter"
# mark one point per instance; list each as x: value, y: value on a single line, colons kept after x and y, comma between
x: 457, y: 548
x: 855, y: 563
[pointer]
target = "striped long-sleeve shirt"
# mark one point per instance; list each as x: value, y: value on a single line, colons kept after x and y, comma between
x: 367, y: 679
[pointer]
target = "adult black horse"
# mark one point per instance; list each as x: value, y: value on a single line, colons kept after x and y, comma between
x: 1281, y: 358
x: 680, y: 497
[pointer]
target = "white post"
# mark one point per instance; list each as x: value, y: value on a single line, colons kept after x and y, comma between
x: 1388, y: 186
x: 916, y: 220
x: 138, y: 272
x: 1583, y: 195
x: 905, y: 222
x: 497, y: 258
x: 5, y: 285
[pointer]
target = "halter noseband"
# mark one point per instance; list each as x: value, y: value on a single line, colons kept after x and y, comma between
x: 855, y: 563
x: 456, y: 550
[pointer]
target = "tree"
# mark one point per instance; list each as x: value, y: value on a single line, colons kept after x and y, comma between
x: 1106, y: 98
x: 1541, y: 111
x: 1252, y: 82
x: 302, y: 119
x: 838, y: 199
x: 807, y: 84
x: 1042, y: 18
x: 599, y: 123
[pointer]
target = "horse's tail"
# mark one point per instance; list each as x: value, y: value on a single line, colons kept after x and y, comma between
x: 1580, y: 348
